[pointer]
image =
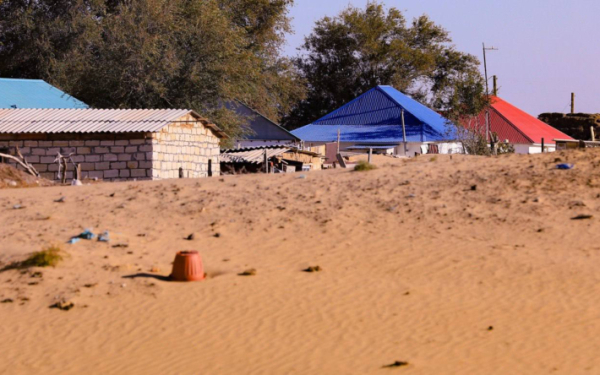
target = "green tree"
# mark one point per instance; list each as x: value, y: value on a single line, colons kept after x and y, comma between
x: 155, y: 53
x: 466, y: 106
x: 351, y: 53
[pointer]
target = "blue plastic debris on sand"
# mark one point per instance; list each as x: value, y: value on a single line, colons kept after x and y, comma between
x: 85, y: 235
x: 103, y: 237
x: 565, y: 166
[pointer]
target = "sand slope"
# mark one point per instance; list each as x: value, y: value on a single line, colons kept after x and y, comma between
x: 417, y: 265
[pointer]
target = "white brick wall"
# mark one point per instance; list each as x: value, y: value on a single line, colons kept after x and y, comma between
x: 186, y: 145
x: 189, y: 146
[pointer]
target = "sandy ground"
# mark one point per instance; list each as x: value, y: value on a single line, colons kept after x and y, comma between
x: 462, y: 265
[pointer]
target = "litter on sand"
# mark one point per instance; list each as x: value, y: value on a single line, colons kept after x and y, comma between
x: 565, y: 166
x: 85, y: 235
x: 103, y: 237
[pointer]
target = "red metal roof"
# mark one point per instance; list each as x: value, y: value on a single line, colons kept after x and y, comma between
x: 511, y: 123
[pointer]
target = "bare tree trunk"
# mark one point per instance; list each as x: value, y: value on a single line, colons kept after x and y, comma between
x: 64, y: 167
x: 22, y: 162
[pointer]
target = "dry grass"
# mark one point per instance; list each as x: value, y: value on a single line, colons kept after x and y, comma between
x: 364, y: 166
x: 48, y: 257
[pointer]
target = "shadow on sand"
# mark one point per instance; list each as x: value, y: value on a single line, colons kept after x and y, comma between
x: 147, y: 276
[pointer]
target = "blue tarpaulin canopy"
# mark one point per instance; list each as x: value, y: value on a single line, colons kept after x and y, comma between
x: 376, y: 117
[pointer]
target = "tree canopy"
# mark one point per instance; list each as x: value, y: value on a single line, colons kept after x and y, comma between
x: 155, y: 53
x: 351, y: 53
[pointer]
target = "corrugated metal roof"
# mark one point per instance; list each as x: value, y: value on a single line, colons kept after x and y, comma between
x: 517, y: 126
x: 252, y: 155
x: 255, y: 155
x: 365, y: 133
x: 374, y: 147
x: 532, y: 128
x: 34, y: 93
x: 263, y: 128
x: 92, y: 120
x: 376, y: 116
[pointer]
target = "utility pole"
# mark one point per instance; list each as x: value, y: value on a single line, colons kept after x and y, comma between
x: 495, y: 85
x: 487, y: 92
x: 404, y: 135
x: 572, y: 103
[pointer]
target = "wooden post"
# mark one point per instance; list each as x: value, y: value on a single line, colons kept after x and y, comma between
x: 338, y: 142
x: 542, y: 145
x: 63, y: 161
x: 266, y: 162
x: 370, y: 154
x: 572, y: 103
x: 404, y: 135
x: 495, y: 86
x: 593, y: 133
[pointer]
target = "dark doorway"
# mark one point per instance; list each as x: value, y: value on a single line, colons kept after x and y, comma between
x: 4, y: 150
x: 209, y: 167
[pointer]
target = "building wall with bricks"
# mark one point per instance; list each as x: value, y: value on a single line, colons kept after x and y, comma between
x: 121, y: 156
x: 194, y: 149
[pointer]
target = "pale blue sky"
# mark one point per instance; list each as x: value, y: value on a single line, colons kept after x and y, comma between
x: 548, y: 48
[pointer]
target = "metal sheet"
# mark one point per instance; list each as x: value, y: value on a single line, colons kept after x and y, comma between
x: 90, y: 120
x: 253, y: 155
x: 376, y: 116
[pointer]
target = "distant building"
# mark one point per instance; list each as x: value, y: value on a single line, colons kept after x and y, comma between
x: 522, y: 130
x: 34, y: 93
x: 114, y: 144
x: 374, y: 121
x: 281, y: 159
x: 262, y: 130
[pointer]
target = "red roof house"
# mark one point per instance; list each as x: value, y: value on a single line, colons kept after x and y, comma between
x: 521, y: 129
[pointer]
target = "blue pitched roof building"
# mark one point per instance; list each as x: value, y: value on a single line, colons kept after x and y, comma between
x: 34, y: 93
x: 375, y: 117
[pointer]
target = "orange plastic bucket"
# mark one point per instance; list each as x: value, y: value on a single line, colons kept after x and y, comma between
x: 187, y: 267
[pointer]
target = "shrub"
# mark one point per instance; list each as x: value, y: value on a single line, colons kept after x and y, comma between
x: 364, y: 166
x: 48, y: 257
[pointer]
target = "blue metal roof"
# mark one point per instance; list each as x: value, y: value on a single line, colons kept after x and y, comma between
x: 375, y: 116
x: 385, y: 134
x: 34, y: 93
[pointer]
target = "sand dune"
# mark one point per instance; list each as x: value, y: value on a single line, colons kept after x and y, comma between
x: 461, y: 265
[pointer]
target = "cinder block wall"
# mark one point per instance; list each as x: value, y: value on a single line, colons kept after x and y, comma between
x: 189, y: 146
x: 107, y: 159
x: 122, y: 156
